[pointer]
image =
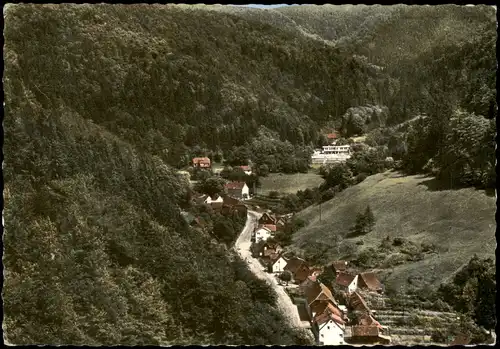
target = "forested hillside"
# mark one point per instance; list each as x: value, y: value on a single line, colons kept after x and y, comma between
x: 95, y: 249
x: 433, y: 54
x: 191, y: 76
x: 103, y: 101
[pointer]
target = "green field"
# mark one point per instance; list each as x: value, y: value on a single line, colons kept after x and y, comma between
x: 459, y: 222
x: 289, y: 183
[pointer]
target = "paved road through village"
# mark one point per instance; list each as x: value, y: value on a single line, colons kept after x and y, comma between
x: 242, y: 246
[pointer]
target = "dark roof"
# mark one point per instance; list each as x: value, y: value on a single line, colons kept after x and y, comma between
x: 344, y: 279
x: 312, y: 291
x: 227, y: 200
x: 357, y: 302
x: 340, y: 265
x: 302, y: 273
x: 370, y: 281
x: 266, y: 215
x: 294, y: 264
x: 235, y: 185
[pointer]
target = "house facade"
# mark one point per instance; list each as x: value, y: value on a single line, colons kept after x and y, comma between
x: 262, y: 234
x: 331, y: 154
x: 347, y: 282
x: 278, y: 265
x: 238, y: 190
x: 330, y: 332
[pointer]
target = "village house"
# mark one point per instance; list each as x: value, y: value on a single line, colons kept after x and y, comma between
x: 202, y: 162
x: 262, y: 234
x: 266, y: 218
x: 347, y: 282
x: 357, y: 304
x: 301, y: 274
x: 280, y: 223
x: 330, y: 329
x: 339, y: 266
x: 370, y: 282
x: 327, y: 319
x: 260, y: 247
x: 299, y: 269
x: 238, y: 190
x: 247, y: 170
x: 369, y: 335
x: 210, y: 199
x: 225, y: 205
x: 276, y: 263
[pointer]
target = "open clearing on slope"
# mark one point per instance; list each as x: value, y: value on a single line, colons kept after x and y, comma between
x: 289, y: 183
x: 460, y: 222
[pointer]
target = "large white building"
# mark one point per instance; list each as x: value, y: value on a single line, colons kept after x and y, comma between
x: 331, y: 154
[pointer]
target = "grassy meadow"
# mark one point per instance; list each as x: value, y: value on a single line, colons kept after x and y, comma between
x: 459, y: 222
x: 289, y: 183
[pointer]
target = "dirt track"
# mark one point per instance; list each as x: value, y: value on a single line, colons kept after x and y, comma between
x: 242, y: 246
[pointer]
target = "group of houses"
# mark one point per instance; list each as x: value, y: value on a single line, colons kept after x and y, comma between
x: 223, y: 204
x: 327, y: 316
x: 238, y: 190
x: 267, y: 226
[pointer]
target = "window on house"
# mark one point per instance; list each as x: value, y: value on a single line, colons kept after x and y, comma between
x: 327, y: 327
x: 322, y: 335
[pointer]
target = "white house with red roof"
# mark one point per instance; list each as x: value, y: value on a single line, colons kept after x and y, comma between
x: 238, y: 190
x: 262, y: 234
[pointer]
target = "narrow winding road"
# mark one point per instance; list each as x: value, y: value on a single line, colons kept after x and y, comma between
x: 242, y: 247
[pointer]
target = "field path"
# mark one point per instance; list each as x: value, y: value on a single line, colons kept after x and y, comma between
x: 242, y: 247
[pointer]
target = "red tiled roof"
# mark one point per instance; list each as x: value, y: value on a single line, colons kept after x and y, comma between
x: 331, y: 136
x: 271, y: 227
x: 201, y: 160
x: 324, y: 317
x: 235, y: 185
x: 344, y: 279
x: 246, y: 168
x: 370, y: 281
